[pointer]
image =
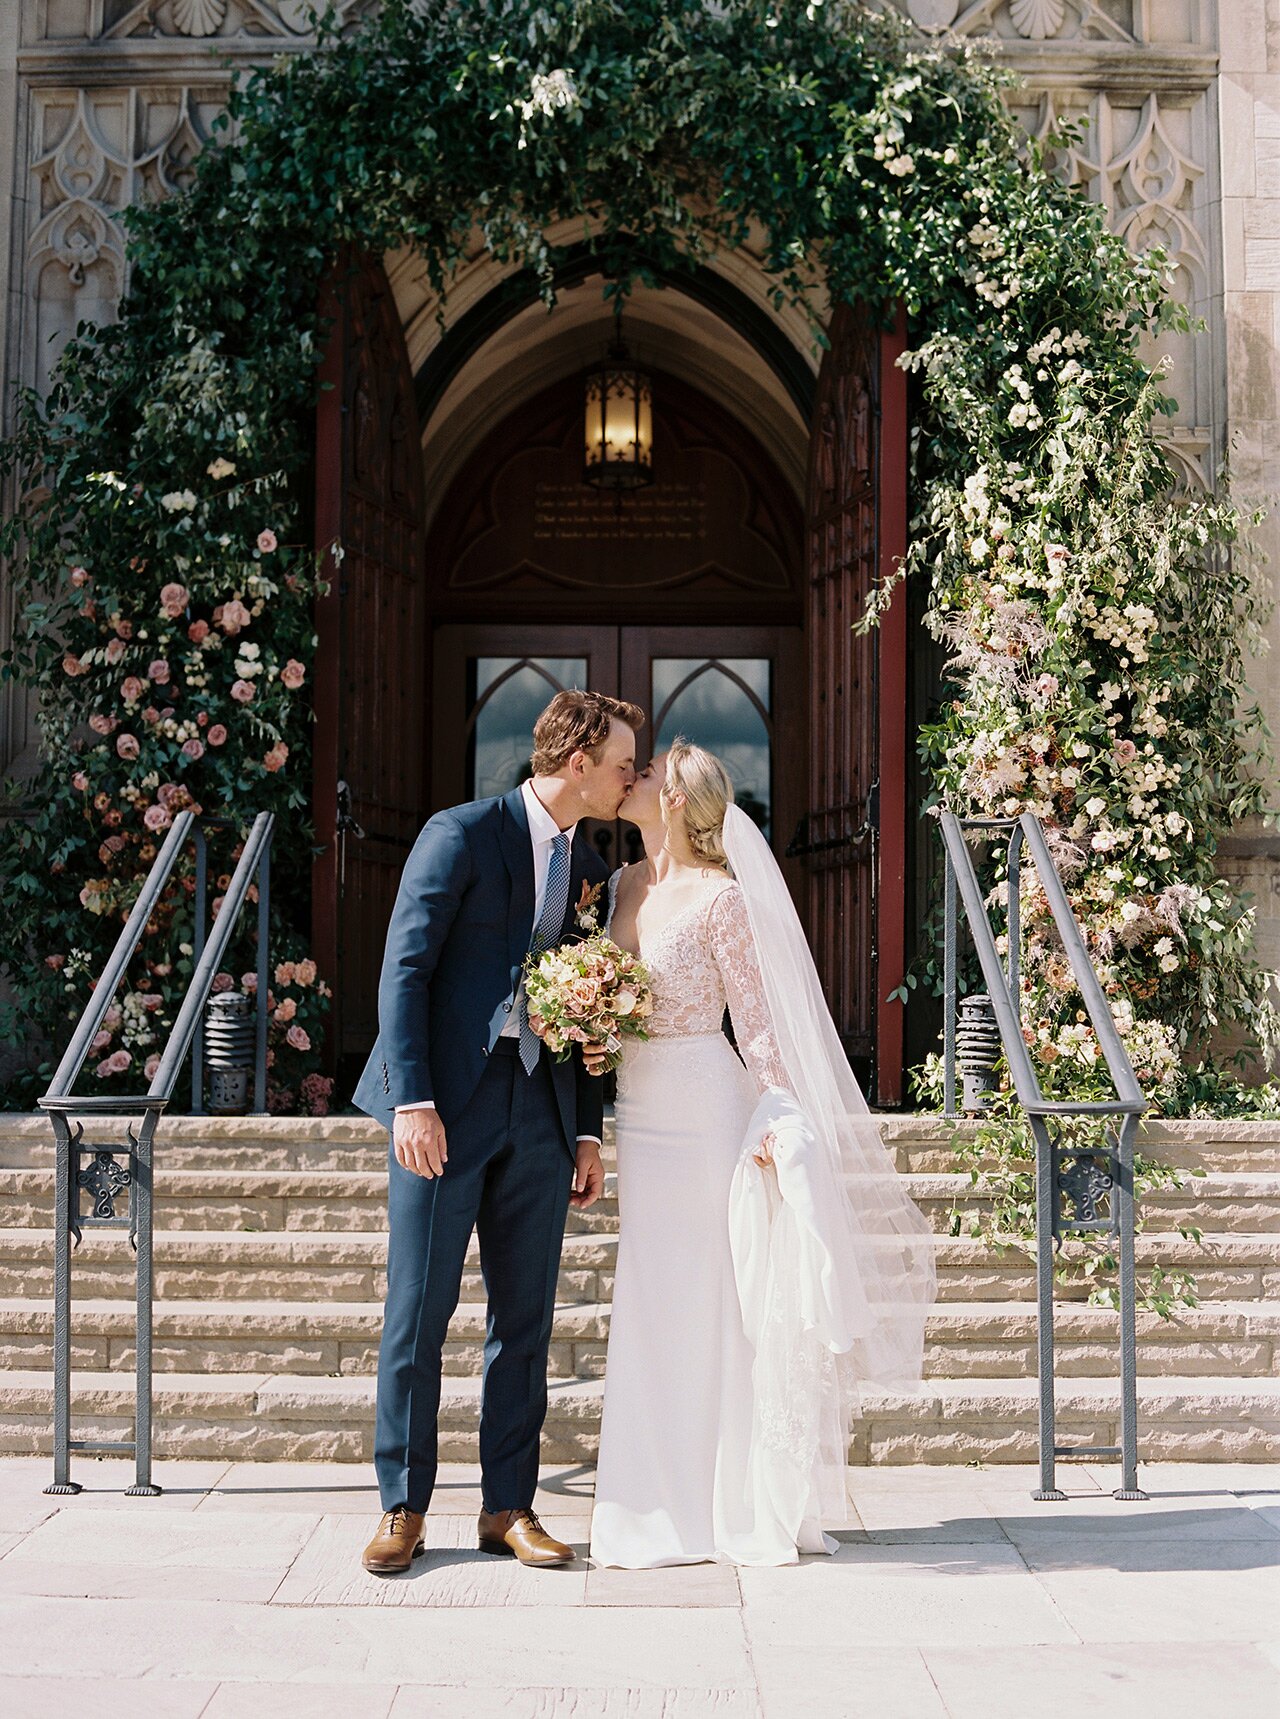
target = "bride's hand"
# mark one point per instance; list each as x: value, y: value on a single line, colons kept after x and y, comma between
x: 764, y: 1157
x: 595, y: 1056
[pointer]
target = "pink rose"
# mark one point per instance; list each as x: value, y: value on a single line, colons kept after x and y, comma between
x: 275, y: 759
x: 267, y: 540
x: 173, y: 600
x: 285, y: 1011
x: 101, y: 1040
x: 167, y: 793
x: 57, y: 962
x: 118, y: 1061
x: 198, y: 632
x: 103, y: 1069
x: 297, y: 1036
x: 131, y: 689
x: 80, y: 781
x: 127, y: 745
x: 242, y: 691
x: 158, y: 671
x: 248, y: 982
x: 1126, y: 751
x: 114, y: 651
x: 223, y: 982
x: 114, y: 844
x: 217, y: 735
x: 79, y: 577
x: 151, y: 1065
x: 101, y: 724
x: 232, y: 617
x: 293, y: 674
x: 285, y: 972
x: 304, y: 973
x: 1047, y: 685
x: 151, y: 714
x: 202, y: 719
x: 193, y: 748
x: 156, y: 818
x: 73, y: 666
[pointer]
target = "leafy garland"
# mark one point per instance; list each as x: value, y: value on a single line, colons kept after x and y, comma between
x: 161, y: 550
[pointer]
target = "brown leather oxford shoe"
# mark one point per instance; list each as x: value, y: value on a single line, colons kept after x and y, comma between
x: 519, y: 1534
x: 396, y: 1544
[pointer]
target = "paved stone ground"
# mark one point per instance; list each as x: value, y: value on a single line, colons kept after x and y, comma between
x: 238, y: 1594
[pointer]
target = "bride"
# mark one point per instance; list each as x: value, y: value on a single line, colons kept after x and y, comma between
x: 770, y: 1262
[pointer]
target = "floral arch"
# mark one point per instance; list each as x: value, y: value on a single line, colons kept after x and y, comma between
x: 1097, y: 627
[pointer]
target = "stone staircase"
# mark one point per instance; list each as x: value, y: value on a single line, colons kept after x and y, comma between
x: 269, y: 1255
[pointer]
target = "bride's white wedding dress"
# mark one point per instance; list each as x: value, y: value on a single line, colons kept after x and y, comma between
x: 678, y: 1395
x: 751, y: 1305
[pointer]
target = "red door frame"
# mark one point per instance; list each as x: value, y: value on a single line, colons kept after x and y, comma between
x: 891, y: 939
x: 327, y: 679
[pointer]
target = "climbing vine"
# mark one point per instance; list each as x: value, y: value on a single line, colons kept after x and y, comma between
x: 161, y: 549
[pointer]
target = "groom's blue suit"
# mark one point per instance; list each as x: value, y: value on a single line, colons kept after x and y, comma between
x: 459, y: 933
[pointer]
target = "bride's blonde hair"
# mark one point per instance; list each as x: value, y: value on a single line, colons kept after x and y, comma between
x: 708, y: 793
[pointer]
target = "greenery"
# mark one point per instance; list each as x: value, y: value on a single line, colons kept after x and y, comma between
x: 161, y: 550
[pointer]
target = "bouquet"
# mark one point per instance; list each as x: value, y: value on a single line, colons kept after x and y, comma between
x: 589, y: 992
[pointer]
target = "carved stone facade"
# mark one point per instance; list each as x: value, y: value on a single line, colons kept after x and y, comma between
x: 103, y: 102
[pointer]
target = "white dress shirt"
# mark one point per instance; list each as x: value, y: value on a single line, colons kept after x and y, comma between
x: 543, y: 830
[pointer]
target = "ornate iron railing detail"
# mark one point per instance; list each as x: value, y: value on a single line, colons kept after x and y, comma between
x: 1081, y: 1189
x: 105, y: 1172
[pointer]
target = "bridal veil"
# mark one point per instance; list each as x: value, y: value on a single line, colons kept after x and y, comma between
x: 833, y: 1259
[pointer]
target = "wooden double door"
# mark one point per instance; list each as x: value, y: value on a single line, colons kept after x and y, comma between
x: 419, y: 707
x: 738, y: 691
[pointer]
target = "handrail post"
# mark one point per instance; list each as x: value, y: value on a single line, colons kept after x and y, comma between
x: 197, y: 950
x: 63, y: 1194
x: 264, y: 973
x: 140, y: 1208
x: 950, y: 932
x: 1126, y: 1211
x: 1071, y: 1179
x: 106, y: 1177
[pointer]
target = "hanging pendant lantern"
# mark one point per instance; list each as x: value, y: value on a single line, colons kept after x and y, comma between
x: 619, y: 421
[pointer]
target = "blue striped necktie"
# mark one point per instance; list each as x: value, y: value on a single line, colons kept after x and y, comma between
x: 546, y: 934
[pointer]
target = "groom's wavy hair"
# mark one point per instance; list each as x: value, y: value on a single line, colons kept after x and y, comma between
x: 578, y: 722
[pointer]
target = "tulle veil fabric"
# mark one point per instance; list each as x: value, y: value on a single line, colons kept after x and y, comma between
x: 831, y: 1250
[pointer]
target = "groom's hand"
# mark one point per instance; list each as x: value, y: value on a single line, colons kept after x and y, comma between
x: 588, y: 1175
x: 420, y: 1146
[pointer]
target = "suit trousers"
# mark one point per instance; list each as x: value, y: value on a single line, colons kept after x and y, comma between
x: 508, y: 1177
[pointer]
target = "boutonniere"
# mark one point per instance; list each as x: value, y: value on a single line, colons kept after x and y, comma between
x: 587, y: 912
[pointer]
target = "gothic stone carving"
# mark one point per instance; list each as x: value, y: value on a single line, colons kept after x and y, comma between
x: 1030, y: 20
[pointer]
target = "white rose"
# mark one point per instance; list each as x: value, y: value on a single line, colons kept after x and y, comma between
x: 1095, y: 807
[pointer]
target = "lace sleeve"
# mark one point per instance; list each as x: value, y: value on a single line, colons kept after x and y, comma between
x: 734, y: 950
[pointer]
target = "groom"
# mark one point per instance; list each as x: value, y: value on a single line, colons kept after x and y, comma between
x: 488, y: 1132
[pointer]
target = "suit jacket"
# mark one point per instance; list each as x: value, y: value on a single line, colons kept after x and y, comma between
x: 458, y: 937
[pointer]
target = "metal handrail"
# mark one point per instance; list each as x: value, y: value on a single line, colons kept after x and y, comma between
x: 107, y: 1176
x: 1059, y: 1168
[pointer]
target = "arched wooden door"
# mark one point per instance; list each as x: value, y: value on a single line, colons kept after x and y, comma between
x: 371, y: 664
x: 853, y: 839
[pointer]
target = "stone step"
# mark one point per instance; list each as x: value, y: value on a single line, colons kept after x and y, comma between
x: 924, y: 1143
x: 268, y: 1416
x: 307, y: 1201
x: 342, y: 1201
x: 963, y: 1339
x: 294, y: 1265
x: 919, y: 1143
